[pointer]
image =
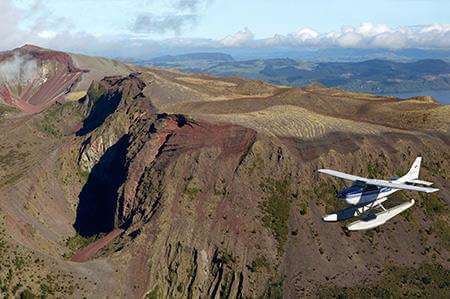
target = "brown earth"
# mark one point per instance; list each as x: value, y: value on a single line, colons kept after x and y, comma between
x: 207, y: 187
x: 88, y: 252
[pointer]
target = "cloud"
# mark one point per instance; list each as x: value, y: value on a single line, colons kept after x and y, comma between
x: 306, y: 34
x: 40, y: 24
x: 9, y: 16
x: 367, y: 35
x: 48, y: 30
x: 240, y: 38
x: 150, y: 23
x: 381, y: 36
x: 19, y: 68
x: 41, y: 18
x: 184, y: 15
x: 192, y: 5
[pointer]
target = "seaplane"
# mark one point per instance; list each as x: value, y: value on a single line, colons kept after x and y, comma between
x: 366, y: 197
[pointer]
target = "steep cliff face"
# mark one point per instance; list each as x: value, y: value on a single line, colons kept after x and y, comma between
x: 221, y: 210
x: 176, y: 171
x: 250, y: 227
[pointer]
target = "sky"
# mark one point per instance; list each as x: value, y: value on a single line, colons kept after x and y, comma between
x: 139, y: 28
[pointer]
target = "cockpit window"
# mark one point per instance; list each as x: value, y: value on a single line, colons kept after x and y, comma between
x: 371, y: 188
x: 359, y: 184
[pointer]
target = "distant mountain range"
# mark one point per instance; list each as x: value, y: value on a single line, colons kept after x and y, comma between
x: 375, y: 75
x: 310, y: 54
x: 213, y: 57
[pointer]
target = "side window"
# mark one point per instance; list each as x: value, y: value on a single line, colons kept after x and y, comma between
x: 359, y: 184
x: 371, y: 188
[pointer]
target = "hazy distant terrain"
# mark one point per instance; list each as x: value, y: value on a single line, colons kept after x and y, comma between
x: 304, y: 54
x: 375, y: 75
x: 442, y: 96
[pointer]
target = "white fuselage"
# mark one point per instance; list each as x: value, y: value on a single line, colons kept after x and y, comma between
x: 355, y: 197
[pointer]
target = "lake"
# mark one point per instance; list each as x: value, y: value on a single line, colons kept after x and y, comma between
x: 443, y: 96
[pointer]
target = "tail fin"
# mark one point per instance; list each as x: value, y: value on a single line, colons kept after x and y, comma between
x: 413, y: 173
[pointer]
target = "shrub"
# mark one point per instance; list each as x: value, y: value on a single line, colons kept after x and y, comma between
x: 276, y: 208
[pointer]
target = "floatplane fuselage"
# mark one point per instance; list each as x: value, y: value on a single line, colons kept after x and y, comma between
x: 366, y: 195
x: 360, y: 195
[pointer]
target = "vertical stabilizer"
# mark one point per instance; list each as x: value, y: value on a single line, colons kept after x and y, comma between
x: 413, y: 173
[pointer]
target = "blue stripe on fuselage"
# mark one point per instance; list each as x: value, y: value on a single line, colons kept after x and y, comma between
x: 358, y: 191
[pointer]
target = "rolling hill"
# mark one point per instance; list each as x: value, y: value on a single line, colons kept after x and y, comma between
x: 375, y: 76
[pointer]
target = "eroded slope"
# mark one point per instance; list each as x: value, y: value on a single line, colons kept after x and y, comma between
x: 220, y: 197
x: 33, y: 78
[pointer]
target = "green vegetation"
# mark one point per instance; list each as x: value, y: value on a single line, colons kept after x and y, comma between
x: 191, y: 119
x: 433, y: 205
x: 442, y: 229
x: 326, y: 193
x: 49, y: 123
x: 23, y: 276
x: 437, y: 168
x: 303, y: 207
x: 69, y: 171
x: 225, y: 288
x: 50, y: 129
x: 227, y: 257
x: 258, y: 263
x: 257, y: 164
x: 19, y: 262
x: 220, y: 188
x: 55, y: 118
x: 191, y: 189
x: 401, y: 171
x: 276, y: 208
x: 76, y: 242
x: 27, y: 294
x: 436, y: 209
x: 373, y: 170
x: 13, y: 157
x: 96, y: 90
x: 84, y: 175
x: 275, y: 290
x: 407, y: 215
x: 153, y: 294
x: 46, y: 290
x: 4, y: 110
x: 427, y: 281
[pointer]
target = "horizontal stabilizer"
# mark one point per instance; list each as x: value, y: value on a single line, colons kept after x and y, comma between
x: 420, y: 182
x: 380, y: 218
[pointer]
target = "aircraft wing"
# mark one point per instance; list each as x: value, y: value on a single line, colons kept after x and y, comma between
x: 420, y: 182
x: 383, y: 183
x: 380, y: 183
x: 342, y: 175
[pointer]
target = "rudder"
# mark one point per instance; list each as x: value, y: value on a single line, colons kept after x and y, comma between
x: 413, y: 173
